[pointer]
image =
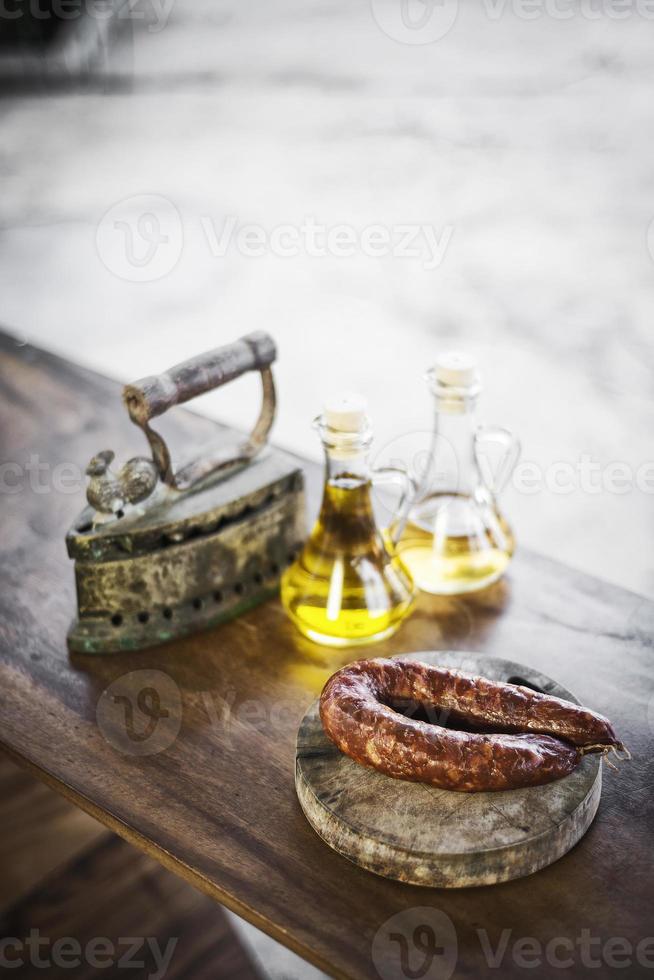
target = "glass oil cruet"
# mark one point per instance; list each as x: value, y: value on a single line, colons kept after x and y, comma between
x: 348, y: 585
x: 455, y: 539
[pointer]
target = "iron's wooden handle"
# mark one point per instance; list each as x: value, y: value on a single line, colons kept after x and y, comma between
x: 152, y: 396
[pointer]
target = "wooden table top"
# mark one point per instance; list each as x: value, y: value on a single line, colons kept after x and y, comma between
x: 216, y: 803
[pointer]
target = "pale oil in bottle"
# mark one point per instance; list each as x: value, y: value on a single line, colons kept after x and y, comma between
x: 455, y: 539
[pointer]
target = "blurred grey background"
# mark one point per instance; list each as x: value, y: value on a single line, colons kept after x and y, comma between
x: 521, y: 143
x: 371, y: 181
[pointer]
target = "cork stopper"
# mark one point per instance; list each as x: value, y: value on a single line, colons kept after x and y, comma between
x: 457, y: 368
x: 346, y: 412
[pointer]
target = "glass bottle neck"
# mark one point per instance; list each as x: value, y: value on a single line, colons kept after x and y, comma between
x: 452, y: 463
x: 346, y: 513
x: 339, y: 470
x: 346, y: 454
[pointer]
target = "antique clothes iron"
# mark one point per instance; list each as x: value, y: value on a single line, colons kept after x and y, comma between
x: 160, y: 554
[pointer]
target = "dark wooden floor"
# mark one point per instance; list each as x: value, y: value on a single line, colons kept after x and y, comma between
x: 65, y: 876
x: 40, y: 832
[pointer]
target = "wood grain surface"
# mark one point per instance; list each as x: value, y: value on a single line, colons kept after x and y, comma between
x: 214, y: 799
x: 435, y: 837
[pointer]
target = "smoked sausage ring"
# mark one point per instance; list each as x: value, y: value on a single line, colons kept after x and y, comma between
x: 504, y: 737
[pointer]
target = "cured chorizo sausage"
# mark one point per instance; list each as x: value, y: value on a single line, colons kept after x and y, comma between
x: 513, y: 736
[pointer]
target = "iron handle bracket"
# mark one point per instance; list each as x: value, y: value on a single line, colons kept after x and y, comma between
x: 152, y: 396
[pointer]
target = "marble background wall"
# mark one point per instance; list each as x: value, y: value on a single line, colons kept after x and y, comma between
x: 522, y: 143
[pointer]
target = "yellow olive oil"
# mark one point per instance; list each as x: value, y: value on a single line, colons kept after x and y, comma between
x: 348, y: 586
x: 450, y: 548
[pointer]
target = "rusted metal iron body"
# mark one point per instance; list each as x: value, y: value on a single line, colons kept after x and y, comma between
x: 160, y: 554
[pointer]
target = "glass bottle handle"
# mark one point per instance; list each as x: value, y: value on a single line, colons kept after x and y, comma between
x: 495, y: 477
x: 409, y: 489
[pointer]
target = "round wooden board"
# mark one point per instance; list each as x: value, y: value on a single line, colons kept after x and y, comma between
x: 433, y: 837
